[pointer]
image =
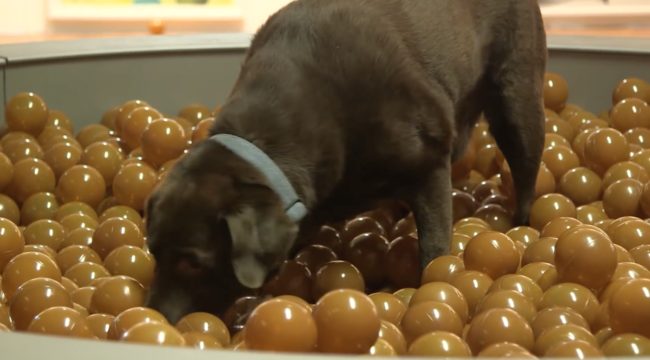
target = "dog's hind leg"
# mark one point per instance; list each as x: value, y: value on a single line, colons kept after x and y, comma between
x: 515, y: 112
x: 432, y: 211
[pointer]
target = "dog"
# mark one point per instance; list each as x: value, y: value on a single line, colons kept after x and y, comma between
x: 348, y: 102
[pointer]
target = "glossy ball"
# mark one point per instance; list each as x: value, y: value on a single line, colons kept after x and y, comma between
x: 103, y: 157
x: 444, y: 293
x: 155, y: 333
x: 629, y: 308
x: 549, y: 207
x: 427, y: 316
x: 347, y: 322
x: 280, y: 325
x: 579, y: 349
x: 39, y: 206
x: 31, y: 176
x: 205, y: 323
x: 581, y: 185
x: 26, y: 266
x: 481, y: 251
x: 439, y: 344
x: 26, y: 112
x: 116, y: 294
x: 585, y: 255
x: 162, y: 140
x: 12, y: 241
x: 631, y: 88
x: 44, y: 232
x: 133, y: 262
x: 626, y: 345
x: 561, y: 333
x: 623, y: 198
x: 575, y: 296
x: 85, y: 273
x: 61, y: 321
x: 116, y: 232
x: 604, y: 148
x: 133, y: 183
x: 131, y: 317
x: 335, y: 275
x: 473, y: 285
x: 630, y: 113
x: 34, y: 296
x: 551, y: 317
x: 367, y: 252
x: 498, y: 325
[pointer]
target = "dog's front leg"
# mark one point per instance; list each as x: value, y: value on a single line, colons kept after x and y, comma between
x: 431, y: 207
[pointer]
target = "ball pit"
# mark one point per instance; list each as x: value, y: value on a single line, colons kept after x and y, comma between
x: 573, y: 282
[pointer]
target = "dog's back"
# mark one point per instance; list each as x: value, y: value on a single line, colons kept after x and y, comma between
x: 360, y: 59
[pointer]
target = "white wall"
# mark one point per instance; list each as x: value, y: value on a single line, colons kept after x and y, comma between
x: 29, y: 17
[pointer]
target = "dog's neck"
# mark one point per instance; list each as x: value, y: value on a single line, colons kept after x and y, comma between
x: 275, y: 177
x: 268, y: 107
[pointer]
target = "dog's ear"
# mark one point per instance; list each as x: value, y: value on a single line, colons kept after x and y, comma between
x: 262, y: 236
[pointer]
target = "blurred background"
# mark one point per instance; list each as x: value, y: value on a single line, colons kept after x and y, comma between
x: 38, y: 20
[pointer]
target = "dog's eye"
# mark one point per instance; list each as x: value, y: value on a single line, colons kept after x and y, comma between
x: 189, y: 265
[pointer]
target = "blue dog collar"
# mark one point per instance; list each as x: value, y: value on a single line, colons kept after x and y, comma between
x: 293, y: 207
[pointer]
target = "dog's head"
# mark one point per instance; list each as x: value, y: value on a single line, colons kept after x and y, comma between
x: 215, y: 229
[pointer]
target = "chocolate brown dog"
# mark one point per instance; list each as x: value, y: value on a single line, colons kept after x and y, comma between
x: 352, y: 101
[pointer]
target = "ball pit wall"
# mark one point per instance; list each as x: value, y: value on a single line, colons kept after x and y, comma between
x: 88, y: 76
